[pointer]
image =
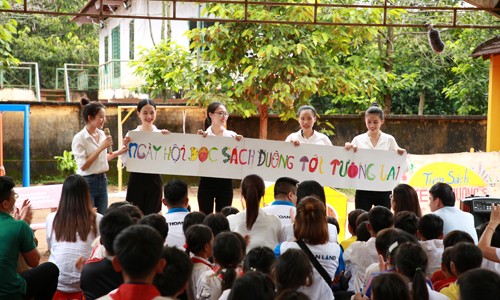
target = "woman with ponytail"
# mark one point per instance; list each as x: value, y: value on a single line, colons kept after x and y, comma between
x: 311, y: 233
x: 211, y: 189
x: 261, y: 228
x: 374, y: 138
x: 411, y: 261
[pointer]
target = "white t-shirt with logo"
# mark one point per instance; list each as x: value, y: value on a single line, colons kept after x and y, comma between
x: 175, y: 220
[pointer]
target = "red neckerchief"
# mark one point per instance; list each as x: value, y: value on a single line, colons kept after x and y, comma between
x: 195, y: 260
x: 135, y: 291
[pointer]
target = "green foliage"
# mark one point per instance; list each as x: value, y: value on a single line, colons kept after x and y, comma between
x: 468, y: 88
x: 8, y: 28
x: 275, y: 66
x: 166, y: 69
x: 340, y: 70
x: 66, y: 163
x: 52, y: 42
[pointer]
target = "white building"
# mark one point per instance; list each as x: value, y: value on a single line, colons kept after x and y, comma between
x: 122, y: 38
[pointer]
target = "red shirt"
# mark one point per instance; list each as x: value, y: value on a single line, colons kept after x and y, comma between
x: 438, y: 285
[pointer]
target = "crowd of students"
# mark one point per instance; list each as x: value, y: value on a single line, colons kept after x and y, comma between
x: 289, y: 249
x: 123, y: 254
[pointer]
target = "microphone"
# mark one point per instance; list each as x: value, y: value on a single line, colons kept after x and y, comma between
x: 435, y: 40
x: 108, y: 134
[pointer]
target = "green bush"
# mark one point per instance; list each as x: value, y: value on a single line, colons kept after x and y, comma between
x: 66, y: 163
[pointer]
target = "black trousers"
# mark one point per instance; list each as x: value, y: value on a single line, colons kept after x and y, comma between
x: 366, y: 199
x: 145, y: 191
x: 41, y: 281
x: 218, y: 189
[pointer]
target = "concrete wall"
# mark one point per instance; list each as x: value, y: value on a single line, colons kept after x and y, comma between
x: 417, y: 134
x: 53, y: 126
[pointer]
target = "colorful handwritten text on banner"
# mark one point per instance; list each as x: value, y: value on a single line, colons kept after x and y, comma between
x: 194, y: 155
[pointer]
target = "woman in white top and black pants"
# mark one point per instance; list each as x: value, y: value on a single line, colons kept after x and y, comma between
x: 209, y: 188
x: 89, y: 148
x: 374, y: 138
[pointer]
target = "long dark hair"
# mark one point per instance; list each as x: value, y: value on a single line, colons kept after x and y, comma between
x: 210, y: 110
x: 405, y: 198
x: 252, y: 189
x: 75, y: 216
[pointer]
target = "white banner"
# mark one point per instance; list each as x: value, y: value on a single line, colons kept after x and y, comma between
x: 194, y: 155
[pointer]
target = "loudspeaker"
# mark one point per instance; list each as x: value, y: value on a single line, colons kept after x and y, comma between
x: 479, y: 207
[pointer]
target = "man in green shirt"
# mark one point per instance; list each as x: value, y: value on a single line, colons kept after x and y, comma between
x: 16, y: 237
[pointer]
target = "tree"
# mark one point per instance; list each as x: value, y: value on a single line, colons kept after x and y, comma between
x: 412, y: 78
x: 167, y: 69
x: 262, y: 67
x: 7, y: 30
x: 52, y: 42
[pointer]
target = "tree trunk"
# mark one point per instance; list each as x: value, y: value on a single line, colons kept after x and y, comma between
x: 388, y: 64
x: 150, y: 25
x: 263, y: 112
x: 421, y: 103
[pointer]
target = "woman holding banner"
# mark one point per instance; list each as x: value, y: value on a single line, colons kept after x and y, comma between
x: 218, y: 189
x: 145, y: 190
x: 374, y: 138
x: 308, y: 133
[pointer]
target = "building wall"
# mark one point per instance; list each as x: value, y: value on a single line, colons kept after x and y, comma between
x: 147, y: 33
x: 53, y: 125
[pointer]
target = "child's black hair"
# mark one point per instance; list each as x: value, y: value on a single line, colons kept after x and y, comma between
x: 133, y: 211
x: 176, y: 273
x: 251, y: 286
x: 406, y: 221
x: 292, y: 270
x: 456, y: 236
x: 259, y: 259
x: 112, y: 223
x: 175, y: 192
x: 217, y: 222
x: 138, y: 249
x: 479, y: 284
x: 430, y: 226
x: 311, y: 188
x: 466, y: 256
x: 380, y: 217
x: 227, y: 253
x: 411, y: 261
x: 192, y: 218
x: 156, y: 221
x: 353, y: 216
x: 362, y: 232
x: 197, y: 236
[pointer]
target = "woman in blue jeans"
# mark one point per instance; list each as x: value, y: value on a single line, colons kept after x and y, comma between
x: 90, y: 148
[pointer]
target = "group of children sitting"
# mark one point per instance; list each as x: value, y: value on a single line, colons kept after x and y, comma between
x: 404, y: 249
x: 187, y: 255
